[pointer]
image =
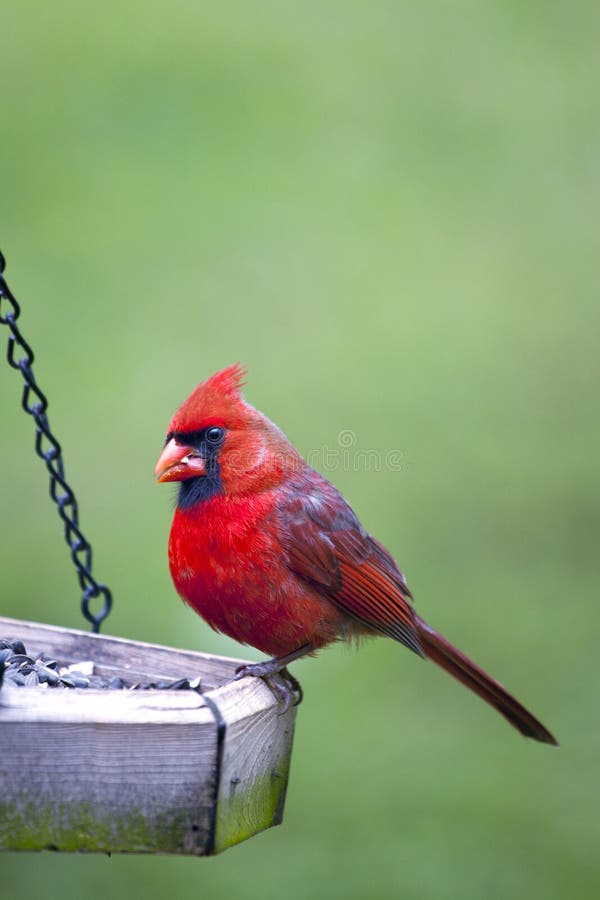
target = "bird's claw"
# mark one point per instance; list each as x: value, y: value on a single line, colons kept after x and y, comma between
x: 258, y: 670
x: 286, y: 688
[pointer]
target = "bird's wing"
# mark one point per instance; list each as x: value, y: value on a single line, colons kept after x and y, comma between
x: 327, y: 546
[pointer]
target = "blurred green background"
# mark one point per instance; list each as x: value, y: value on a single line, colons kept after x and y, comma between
x: 389, y: 211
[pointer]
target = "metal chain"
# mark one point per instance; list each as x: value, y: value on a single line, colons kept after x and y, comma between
x: 47, y: 448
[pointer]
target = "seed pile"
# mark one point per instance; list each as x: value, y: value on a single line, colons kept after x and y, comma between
x: 18, y: 669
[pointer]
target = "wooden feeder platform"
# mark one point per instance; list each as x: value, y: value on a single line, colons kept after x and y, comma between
x: 138, y: 771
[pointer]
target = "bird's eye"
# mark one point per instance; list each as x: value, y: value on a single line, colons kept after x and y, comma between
x: 215, y: 434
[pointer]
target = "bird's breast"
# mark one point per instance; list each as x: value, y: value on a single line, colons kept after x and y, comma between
x: 228, y: 563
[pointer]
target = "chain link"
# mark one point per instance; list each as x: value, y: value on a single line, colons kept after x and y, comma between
x: 47, y: 448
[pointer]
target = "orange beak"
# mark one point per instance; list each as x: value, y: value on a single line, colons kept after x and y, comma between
x: 179, y: 462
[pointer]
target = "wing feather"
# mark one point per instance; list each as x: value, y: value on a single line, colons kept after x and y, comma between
x: 328, y: 547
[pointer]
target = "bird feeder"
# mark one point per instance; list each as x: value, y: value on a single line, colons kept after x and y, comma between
x: 144, y: 771
x: 122, y: 770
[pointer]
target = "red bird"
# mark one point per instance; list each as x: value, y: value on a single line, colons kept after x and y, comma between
x: 268, y: 552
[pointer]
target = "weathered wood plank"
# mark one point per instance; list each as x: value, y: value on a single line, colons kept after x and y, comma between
x: 255, y: 762
x: 74, y: 776
x: 96, y: 707
x: 138, y: 771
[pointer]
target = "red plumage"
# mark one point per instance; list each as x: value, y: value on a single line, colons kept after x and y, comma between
x: 268, y: 552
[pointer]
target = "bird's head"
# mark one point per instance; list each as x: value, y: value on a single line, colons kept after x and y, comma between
x: 219, y: 444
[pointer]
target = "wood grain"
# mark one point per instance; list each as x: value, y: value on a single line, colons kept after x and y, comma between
x: 255, y: 763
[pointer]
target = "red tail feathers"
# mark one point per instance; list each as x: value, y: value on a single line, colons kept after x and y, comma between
x: 457, y: 664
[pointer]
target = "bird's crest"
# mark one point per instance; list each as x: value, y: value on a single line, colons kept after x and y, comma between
x: 218, y: 400
x: 226, y: 382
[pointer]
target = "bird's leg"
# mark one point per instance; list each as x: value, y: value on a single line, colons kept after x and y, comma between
x: 287, y: 688
x: 274, y: 665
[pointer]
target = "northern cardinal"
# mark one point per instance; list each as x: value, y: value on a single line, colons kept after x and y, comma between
x: 267, y: 551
